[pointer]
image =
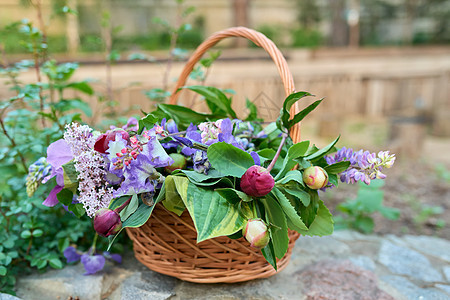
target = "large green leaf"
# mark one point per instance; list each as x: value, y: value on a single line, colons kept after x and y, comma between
x: 200, y: 177
x: 229, y: 160
x: 291, y: 214
x: 269, y: 254
x: 279, y: 230
x: 322, y: 224
x: 216, y: 100
x: 175, y: 189
x: 130, y: 208
x: 338, y: 167
x: 293, y: 175
x: 213, y: 216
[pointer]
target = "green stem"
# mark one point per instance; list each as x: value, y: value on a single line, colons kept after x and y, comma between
x: 94, y: 243
x: 274, y: 160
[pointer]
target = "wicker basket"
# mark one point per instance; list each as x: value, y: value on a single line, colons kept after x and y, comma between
x: 167, y: 243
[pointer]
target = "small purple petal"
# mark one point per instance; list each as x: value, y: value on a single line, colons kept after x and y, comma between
x: 92, y: 264
x: 71, y: 255
x: 52, y: 200
x: 256, y: 158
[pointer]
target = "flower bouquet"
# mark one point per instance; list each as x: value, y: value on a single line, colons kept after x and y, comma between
x: 234, y: 178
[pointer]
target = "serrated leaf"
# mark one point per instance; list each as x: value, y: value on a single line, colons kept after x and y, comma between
x: 298, y: 193
x: 287, y: 104
x: 293, y: 175
x: 233, y: 196
x: 322, y: 224
x: 291, y: 214
x: 279, y: 234
x: 269, y: 254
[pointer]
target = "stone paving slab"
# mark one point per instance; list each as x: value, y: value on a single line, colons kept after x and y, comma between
x: 346, y: 265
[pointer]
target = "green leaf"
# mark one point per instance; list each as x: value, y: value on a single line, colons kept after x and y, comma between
x: 37, y: 233
x: 77, y: 104
x: 55, y: 263
x: 200, y: 177
x: 253, y: 111
x: 364, y: 224
x: 81, y: 86
x: 183, y: 115
x: 233, y: 196
x: 70, y: 176
x: 212, y: 215
x: 293, y: 175
x: 337, y: 167
x: 3, y: 271
x: 216, y: 100
x: 130, y: 208
x: 276, y: 217
x: 65, y: 197
x: 77, y: 209
x: 269, y: 254
x: 25, y: 234
x: 147, y: 122
x: 139, y: 218
x: 322, y: 224
x: 294, y: 151
x: 231, y: 161
x: 298, y: 193
x: 287, y: 104
x: 175, y: 186
x: 323, y: 151
x: 301, y: 115
x: 291, y: 214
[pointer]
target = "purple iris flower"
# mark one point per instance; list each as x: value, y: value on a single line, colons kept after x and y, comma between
x: 171, y: 127
x: 92, y: 263
x: 71, y: 254
x: 193, y: 135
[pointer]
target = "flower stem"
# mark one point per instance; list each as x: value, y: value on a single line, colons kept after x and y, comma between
x: 94, y: 243
x: 120, y: 208
x: 274, y: 160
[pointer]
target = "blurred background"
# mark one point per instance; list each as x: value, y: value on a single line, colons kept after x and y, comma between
x: 383, y: 67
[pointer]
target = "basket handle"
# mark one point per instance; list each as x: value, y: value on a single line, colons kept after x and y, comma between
x: 260, y: 40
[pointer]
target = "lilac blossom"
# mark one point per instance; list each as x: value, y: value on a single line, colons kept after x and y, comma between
x: 364, y: 166
x: 89, y: 164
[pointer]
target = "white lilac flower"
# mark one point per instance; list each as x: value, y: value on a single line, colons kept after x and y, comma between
x: 90, y: 166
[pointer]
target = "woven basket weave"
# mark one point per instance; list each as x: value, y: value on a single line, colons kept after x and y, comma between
x: 168, y: 244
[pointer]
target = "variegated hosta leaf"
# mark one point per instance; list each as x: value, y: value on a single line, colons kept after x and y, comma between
x: 176, y: 189
x: 213, y: 216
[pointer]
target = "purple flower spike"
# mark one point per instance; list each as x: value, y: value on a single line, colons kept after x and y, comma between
x: 71, y: 254
x: 92, y: 264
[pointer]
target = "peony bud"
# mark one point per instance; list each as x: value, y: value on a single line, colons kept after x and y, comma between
x: 102, y: 142
x: 257, y: 181
x: 107, y: 222
x: 179, y: 162
x: 256, y: 233
x: 315, y: 177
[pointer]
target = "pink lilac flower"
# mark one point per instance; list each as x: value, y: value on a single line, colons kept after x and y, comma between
x: 364, y: 166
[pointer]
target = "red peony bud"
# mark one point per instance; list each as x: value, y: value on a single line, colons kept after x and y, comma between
x: 257, y: 181
x: 102, y: 142
x: 315, y: 177
x: 256, y: 233
x: 107, y: 222
x: 179, y: 162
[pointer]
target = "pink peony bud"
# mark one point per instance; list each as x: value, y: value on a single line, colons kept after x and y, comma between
x: 107, y: 222
x: 315, y: 177
x: 257, y: 181
x: 102, y: 142
x: 179, y: 162
x: 256, y: 233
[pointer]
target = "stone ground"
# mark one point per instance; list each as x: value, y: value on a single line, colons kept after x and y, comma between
x: 346, y: 265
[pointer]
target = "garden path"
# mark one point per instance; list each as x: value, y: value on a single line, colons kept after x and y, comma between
x: 345, y: 265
